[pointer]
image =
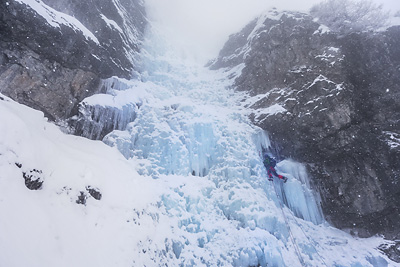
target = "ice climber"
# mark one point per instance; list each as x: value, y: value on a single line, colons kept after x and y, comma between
x: 270, y: 164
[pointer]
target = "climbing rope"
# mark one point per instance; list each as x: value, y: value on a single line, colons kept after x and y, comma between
x: 296, y: 247
x: 309, y: 240
x: 288, y: 226
x: 291, y: 234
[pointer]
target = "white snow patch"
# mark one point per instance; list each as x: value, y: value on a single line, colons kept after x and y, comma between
x: 322, y: 29
x: 271, y: 110
x: 56, y: 18
x: 112, y: 24
x: 322, y: 78
x: 393, y: 139
x: 96, y: 57
x: 334, y: 49
x: 53, y: 229
x: 270, y: 14
x: 299, y: 69
x: 118, y: 99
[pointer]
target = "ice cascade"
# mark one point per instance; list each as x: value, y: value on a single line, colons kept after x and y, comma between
x: 101, y: 113
x: 182, y: 126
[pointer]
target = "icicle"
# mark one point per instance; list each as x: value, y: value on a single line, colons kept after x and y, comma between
x: 94, y: 122
x: 102, y: 113
x: 115, y: 84
x: 297, y: 194
x: 261, y: 140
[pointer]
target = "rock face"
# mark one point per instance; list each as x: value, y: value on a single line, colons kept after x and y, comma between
x: 330, y: 102
x: 54, y: 53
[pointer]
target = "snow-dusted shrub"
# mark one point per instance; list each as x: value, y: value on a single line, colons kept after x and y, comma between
x: 347, y: 16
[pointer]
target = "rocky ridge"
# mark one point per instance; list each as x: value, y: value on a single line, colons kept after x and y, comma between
x: 53, y: 54
x: 331, y: 102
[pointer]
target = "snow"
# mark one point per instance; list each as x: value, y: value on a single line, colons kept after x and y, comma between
x: 130, y: 31
x: 271, y: 110
x: 55, y: 18
x: 182, y: 184
x: 112, y: 24
x: 118, y: 100
x: 299, y: 69
x: 393, y: 139
x: 320, y: 78
x: 270, y: 14
x: 334, y: 49
x: 259, y: 25
x: 322, y: 29
x: 47, y: 225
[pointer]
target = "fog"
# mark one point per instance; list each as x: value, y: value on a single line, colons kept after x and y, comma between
x: 199, y: 28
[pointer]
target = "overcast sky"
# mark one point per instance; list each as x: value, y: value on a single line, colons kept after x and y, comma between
x: 200, y: 27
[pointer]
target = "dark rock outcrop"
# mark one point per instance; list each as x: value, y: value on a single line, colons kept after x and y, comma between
x: 330, y: 102
x: 82, y: 198
x: 45, y: 85
x: 33, y: 179
x: 53, y: 64
x: 94, y: 192
x: 391, y: 250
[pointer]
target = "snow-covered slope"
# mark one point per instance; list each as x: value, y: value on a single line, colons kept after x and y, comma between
x: 191, y: 189
x: 47, y: 227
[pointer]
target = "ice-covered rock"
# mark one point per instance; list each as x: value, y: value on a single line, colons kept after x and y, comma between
x: 332, y: 102
x: 193, y: 135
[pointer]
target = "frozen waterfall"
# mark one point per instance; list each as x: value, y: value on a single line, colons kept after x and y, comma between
x: 181, y: 125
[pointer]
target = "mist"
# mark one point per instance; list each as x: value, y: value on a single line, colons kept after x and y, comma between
x: 199, y: 28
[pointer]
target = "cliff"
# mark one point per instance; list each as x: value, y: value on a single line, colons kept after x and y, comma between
x: 331, y: 102
x: 54, y: 53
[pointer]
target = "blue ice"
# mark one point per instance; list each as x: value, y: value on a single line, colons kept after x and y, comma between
x: 192, y: 134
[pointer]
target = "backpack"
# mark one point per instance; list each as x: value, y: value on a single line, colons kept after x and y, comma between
x: 269, y: 162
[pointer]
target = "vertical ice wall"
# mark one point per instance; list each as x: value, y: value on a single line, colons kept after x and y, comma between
x: 102, y: 113
x: 297, y: 194
x: 192, y: 126
x: 192, y: 135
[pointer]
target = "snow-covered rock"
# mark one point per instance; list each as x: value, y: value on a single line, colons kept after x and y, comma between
x: 54, y: 53
x: 331, y: 101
